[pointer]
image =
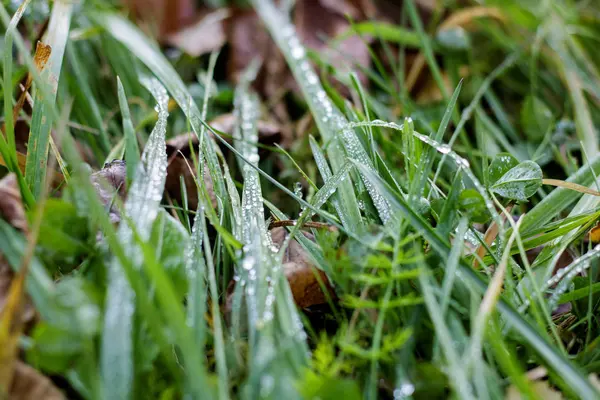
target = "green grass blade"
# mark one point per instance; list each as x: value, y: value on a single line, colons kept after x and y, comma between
x: 141, y: 207
x: 384, y: 31
x: 132, y: 149
x: 272, y: 317
x: 332, y: 124
x: 429, y: 155
x: 139, y: 45
x: 42, y: 118
x: 87, y: 96
x: 8, y: 83
x: 455, y: 368
x: 8, y: 148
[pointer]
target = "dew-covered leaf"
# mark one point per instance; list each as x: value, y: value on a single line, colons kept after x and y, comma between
x: 499, y: 166
x: 520, y: 182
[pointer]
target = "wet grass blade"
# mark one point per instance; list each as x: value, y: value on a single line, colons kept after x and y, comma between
x: 332, y: 124
x: 141, y: 208
x: 132, y: 149
x: 42, y: 118
x: 272, y: 316
x: 140, y: 46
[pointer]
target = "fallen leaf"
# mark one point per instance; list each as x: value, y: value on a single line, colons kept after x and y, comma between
x: 11, y: 210
x: 30, y: 384
x: 248, y: 40
x: 594, y: 234
x: 316, y: 20
x: 165, y: 16
x: 11, y: 207
x: 180, y: 165
x: 15, y: 308
x: 300, y: 271
x: 541, y: 388
x: 110, y: 182
x: 180, y: 162
x: 204, y: 36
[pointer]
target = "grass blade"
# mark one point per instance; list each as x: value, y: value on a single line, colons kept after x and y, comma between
x: 328, y: 117
x: 42, y: 118
x: 132, y: 149
x: 141, y: 208
x: 131, y: 37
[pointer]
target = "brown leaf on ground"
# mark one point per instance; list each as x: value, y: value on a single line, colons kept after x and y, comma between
x: 11, y: 210
x: 540, y: 388
x: 16, y: 309
x: 163, y: 16
x: 300, y: 271
x: 248, y: 40
x: 204, y: 36
x: 316, y: 20
x: 30, y: 384
x: 180, y: 164
x: 180, y: 161
x: 110, y: 182
x: 11, y: 207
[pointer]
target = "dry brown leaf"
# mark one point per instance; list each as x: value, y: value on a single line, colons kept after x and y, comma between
x: 326, y: 18
x: 30, y: 384
x: 11, y: 207
x: 163, y: 16
x: 300, y: 272
x: 109, y: 183
x: 204, y: 36
x: 267, y: 128
x: 179, y: 165
x: 11, y: 210
x: 541, y: 388
x: 248, y: 40
x: 15, y: 308
x: 314, y: 20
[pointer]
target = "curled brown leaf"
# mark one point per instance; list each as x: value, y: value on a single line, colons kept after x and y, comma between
x: 180, y: 166
x: 204, y: 36
x: 302, y: 275
x: 11, y: 207
x: 30, y: 384
x: 110, y: 182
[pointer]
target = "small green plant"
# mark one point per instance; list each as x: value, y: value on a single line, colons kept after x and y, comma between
x: 450, y: 236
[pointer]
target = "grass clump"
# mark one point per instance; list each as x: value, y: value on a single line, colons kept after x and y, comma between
x: 449, y: 235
